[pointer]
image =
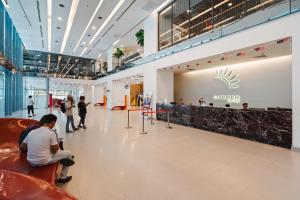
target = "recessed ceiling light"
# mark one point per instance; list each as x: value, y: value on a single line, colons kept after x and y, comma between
x: 58, y: 27
x: 230, y: 4
x: 99, y: 17
x: 94, y: 27
x: 84, y: 43
x: 61, y: 5
x: 56, y: 41
x: 88, y: 35
x: 59, y: 18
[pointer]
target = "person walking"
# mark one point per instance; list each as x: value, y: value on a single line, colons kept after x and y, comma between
x: 82, y: 111
x: 69, y: 114
x: 30, y: 104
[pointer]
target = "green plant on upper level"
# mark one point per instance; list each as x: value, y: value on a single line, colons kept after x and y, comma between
x: 119, y: 53
x: 140, y: 37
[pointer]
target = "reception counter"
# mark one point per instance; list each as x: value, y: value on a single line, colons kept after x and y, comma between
x: 271, y: 127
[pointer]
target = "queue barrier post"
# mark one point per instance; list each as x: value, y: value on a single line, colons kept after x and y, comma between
x: 143, y: 132
x: 151, y: 117
x: 169, y: 127
x: 128, y: 126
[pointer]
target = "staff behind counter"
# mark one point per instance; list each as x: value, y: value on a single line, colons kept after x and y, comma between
x: 245, y: 105
x: 202, y: 102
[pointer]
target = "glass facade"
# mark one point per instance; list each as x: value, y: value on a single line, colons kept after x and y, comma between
x: 38, y: 88
x: 184, y: 19
x: 11, y: 64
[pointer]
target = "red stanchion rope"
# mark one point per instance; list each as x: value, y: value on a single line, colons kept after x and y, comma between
x: 158, y: 111
x: 139, y: 109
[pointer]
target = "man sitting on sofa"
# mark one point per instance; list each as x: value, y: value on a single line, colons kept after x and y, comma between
x: 42, y: 148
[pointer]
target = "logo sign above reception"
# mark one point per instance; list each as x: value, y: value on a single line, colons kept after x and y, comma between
x: 229, y: 78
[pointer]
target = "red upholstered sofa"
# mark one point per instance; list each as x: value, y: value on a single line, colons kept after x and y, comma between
x: 11, y: 160
x: 19, y: 186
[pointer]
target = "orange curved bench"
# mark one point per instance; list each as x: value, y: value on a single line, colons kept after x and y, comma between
x: 10, y: 157
x: 99, y: 104
x: 26, y: 187
x: 119, y: 108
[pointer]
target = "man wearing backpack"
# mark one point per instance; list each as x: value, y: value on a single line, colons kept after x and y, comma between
x: 69, y: 114
x: 42, y: 148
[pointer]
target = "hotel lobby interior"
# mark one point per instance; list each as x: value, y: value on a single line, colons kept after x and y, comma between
x: 166, y: 99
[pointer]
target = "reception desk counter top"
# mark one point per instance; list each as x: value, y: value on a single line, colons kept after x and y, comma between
x: 271, y: 127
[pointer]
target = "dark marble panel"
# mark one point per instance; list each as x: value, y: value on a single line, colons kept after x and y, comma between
x: 271, y: 127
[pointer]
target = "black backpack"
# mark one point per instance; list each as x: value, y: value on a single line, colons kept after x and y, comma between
x: 24, y: 134
x: 63, y: 107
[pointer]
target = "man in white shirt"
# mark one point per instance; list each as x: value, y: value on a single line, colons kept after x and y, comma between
x: 42, y: 148
x: 69, y: 113
x: 30, y: 103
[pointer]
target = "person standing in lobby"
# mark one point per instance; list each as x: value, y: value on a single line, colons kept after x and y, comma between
x: 82, y: 112
x: 30, y: 104
x: 69, y: 114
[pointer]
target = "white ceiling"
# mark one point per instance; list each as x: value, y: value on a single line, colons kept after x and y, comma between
x: 125, y: 22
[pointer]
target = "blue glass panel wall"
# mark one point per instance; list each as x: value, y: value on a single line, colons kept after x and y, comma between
x: 11, y: 84
x: 8, y: 37
x: 2, y: 14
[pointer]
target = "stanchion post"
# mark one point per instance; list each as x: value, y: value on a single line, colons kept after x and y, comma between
x: 128, y: 127
x: 143, y: 132
x: 151, y: 117
x: 169, y: 120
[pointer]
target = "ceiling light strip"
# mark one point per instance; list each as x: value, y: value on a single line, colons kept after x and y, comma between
x: 162, y: 6
x: 69, y: 24
x: 86, y: 28
x: 49, y: 7
x: 116, y: 42
x: 107, y: 20
x: 125, y: 10
x: 83, y: 51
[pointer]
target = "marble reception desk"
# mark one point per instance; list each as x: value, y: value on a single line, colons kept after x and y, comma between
x: 271, y: 127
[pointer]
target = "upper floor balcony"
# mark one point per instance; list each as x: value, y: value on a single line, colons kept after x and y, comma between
x: 184, y: 24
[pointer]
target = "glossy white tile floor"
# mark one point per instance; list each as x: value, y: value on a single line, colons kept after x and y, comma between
x: 114, y: 163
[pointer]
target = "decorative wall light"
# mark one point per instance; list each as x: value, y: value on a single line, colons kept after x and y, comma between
x: 229, y: 78
x: 257, y: 49
x: 241, y: 54
x: 282, y: 40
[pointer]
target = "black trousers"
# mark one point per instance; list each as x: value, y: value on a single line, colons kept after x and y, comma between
x: 82, y: 119
x: 30, y: 108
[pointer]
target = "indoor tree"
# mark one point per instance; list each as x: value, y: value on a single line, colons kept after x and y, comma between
x: 119, y: 53
x: 140, y: 37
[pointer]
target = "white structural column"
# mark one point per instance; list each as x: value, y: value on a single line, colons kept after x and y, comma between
x: 296, y: 89
x: 97, y: 66
x: 150, y: 85
x: 150, y: 34
x: 165, y: 86
x: 98, y: 94
x: 88, y: 93
x: 109, y: 88
x: 118, y: 93
x: 110, y: 59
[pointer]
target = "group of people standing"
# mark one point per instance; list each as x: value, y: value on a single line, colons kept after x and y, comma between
x: 67, y: 108
x: 81, y: 112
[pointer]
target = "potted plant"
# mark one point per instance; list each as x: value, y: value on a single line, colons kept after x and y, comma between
x: 119, y: 53
x: 140, y: 37
x: 104, y: 67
